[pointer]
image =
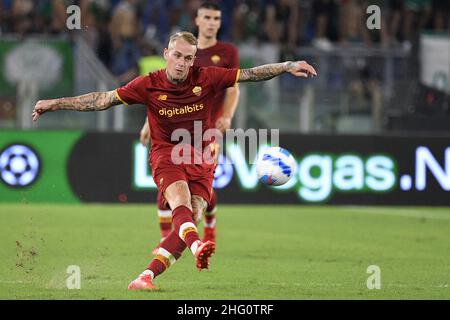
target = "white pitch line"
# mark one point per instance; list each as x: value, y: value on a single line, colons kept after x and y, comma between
x: 307, y: 285
x: 399, y: 213
x: 15, y: 281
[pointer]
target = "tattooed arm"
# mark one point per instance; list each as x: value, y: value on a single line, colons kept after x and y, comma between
x: 95, y: 101
x: 269, y: 71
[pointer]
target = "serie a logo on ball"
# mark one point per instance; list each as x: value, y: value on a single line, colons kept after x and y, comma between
x: 19, y: 165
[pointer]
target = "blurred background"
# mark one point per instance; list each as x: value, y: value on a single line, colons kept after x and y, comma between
x: 395, y: 79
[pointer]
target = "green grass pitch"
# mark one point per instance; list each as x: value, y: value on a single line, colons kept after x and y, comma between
x: 263, y: 252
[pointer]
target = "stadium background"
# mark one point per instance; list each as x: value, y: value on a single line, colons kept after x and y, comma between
x: 373, y: 129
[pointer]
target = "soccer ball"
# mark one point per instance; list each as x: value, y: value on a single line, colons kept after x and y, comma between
x: 275, y: 166
x: 19, y: 166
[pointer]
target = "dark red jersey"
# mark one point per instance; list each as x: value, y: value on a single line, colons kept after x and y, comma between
x: 223, y: 55
x: 176, y: 106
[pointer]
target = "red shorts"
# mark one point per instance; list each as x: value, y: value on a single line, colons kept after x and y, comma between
x: 162, y: 203
x: 199, y: 177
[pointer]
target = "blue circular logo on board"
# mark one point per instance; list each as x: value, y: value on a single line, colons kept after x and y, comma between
x: 223, y: 173
x: 19, y: 165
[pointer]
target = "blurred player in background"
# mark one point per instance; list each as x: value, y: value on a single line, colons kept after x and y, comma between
x: 210, y: 52
x: 176, y: 97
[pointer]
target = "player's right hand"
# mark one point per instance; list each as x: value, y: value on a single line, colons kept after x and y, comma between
x: 144, y: 137
x: 223, y: 124
x: 41, y: 107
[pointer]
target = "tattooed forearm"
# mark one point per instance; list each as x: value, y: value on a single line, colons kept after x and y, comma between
x: 95, y: 101
x: 264, y: 72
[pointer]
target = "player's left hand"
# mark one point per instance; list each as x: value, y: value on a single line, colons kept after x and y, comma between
x: 41, y: 107
x: 223, y: 124
x: 301, y: 69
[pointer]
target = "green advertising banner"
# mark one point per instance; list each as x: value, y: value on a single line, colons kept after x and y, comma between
x: 112, y: 167
x: 35, y: 166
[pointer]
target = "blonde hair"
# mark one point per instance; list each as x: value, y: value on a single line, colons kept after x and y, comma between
x: 186, y: 36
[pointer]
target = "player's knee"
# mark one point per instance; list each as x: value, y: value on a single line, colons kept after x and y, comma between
x: 199, y: 203
x: 177, y: 194
x: 196, y: 215
x: 198, y: 208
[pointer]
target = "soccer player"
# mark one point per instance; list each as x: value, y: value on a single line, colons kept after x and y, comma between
x: 176, y: 97
x: 210, y: 52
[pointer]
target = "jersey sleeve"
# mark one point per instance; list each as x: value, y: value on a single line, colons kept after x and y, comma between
x: 234, y: 60
x: 133, y: 92
x: 222, y: 78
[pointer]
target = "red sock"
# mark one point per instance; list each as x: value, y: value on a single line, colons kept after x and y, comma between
x: 210, y: 214
x: 184, y: 225
x: 171, y: 249
x: 165, y: 229
x: 165, y: 216
x: 173, y: 245
x: 212, y: 202
x: 165, y: 222
x: 157, y: 267
x: 210, y: 221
